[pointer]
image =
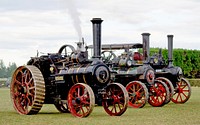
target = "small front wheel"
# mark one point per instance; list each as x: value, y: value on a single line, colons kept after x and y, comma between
x: 138, y: 94
x: 81, y: 100
x: 115, y: 101
x: 170, y: 87
x: 158, y: 94
x: 182, y: 92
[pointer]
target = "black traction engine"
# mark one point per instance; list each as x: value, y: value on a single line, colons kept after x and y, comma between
x: 72, y: 82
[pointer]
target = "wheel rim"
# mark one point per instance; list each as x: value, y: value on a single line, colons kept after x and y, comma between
x: 27, y: 90
x: 182, y: 92
x: 81, y: 100
x: 115, y: 101
x: 138, y: 94
x: 170, y: 87
x: 159, y: 93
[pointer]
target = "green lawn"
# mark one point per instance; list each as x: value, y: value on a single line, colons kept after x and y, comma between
x: 170, y: 114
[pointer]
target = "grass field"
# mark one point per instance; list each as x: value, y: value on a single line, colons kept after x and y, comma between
x: 170, y: 114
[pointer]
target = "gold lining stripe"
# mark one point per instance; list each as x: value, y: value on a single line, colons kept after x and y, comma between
x: 84, y: 75
x: 77, y: 72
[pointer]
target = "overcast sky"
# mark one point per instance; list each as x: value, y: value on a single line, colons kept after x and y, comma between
x: 44, y: 25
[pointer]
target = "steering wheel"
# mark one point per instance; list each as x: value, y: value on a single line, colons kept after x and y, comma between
x: 65, y: 50
x: 107, y: 56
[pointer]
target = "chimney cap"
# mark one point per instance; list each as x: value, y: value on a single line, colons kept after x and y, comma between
x: 96, y: 20
x: 146, y: 34
x: 170, y: 35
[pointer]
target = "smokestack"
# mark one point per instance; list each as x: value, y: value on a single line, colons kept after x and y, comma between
x: 96, y: 37
x: 170, y: 50
x: 146, y: 49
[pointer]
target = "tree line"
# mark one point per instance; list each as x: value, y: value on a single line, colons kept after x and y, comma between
x: 188, y: 60
x: 7, y: 71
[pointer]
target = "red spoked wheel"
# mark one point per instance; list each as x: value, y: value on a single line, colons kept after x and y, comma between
x: 170, y: 87
x: 138, y: 94
x: 115, y: 100
x: 158, y: 94
x: 27, y: 90
x: 182, y: 92
x: 81, y: 100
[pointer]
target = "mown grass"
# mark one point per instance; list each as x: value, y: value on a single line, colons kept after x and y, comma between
x: 170, y: 114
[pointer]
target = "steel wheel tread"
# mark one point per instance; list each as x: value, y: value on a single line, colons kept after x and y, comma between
x: 33, y: 90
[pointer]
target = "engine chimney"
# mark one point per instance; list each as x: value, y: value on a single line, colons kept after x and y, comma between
x: 96, y: 37
x: 146, y: 49
x: 170, y: 50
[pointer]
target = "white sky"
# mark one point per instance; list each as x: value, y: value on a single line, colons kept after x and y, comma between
x: 45, y: 25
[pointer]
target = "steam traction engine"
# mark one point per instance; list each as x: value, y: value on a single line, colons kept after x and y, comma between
x: 70, y: 82
x: 133, y: 70
x: 180, y: 88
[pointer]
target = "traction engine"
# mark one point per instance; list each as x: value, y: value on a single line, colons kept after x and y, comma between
x: 133, y: 70
x: 180, y: 89
x: 71, y: 82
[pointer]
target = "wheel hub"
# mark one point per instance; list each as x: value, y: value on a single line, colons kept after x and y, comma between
x: 78, y: 100
x: 116, y: 99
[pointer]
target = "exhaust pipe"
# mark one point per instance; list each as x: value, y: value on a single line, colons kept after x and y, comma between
x: 146, y: 49
x: 170, y: 50
x: 96, y: 37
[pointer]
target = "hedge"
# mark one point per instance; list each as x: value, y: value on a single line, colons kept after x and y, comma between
x: 188, y: 60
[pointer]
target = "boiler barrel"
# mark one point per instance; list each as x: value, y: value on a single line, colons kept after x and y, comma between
x: 86, y: 73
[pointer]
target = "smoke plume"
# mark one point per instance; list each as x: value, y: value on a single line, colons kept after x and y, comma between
x: 73, y: 12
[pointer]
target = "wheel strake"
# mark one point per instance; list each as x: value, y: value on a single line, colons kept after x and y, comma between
x: 182, y: 92
x: 115, y: 101
x: 27, y: 90
x: 81, y: 100
x: 138, y: 94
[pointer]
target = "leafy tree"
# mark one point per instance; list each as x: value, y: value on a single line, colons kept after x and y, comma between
x: 11, y: 68
x: 6, y: 72
x: 2, y: 69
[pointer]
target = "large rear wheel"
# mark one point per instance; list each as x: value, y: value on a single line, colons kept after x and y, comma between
x: 81, y: 100
x: 115, y: 100
x: 27, y: 90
